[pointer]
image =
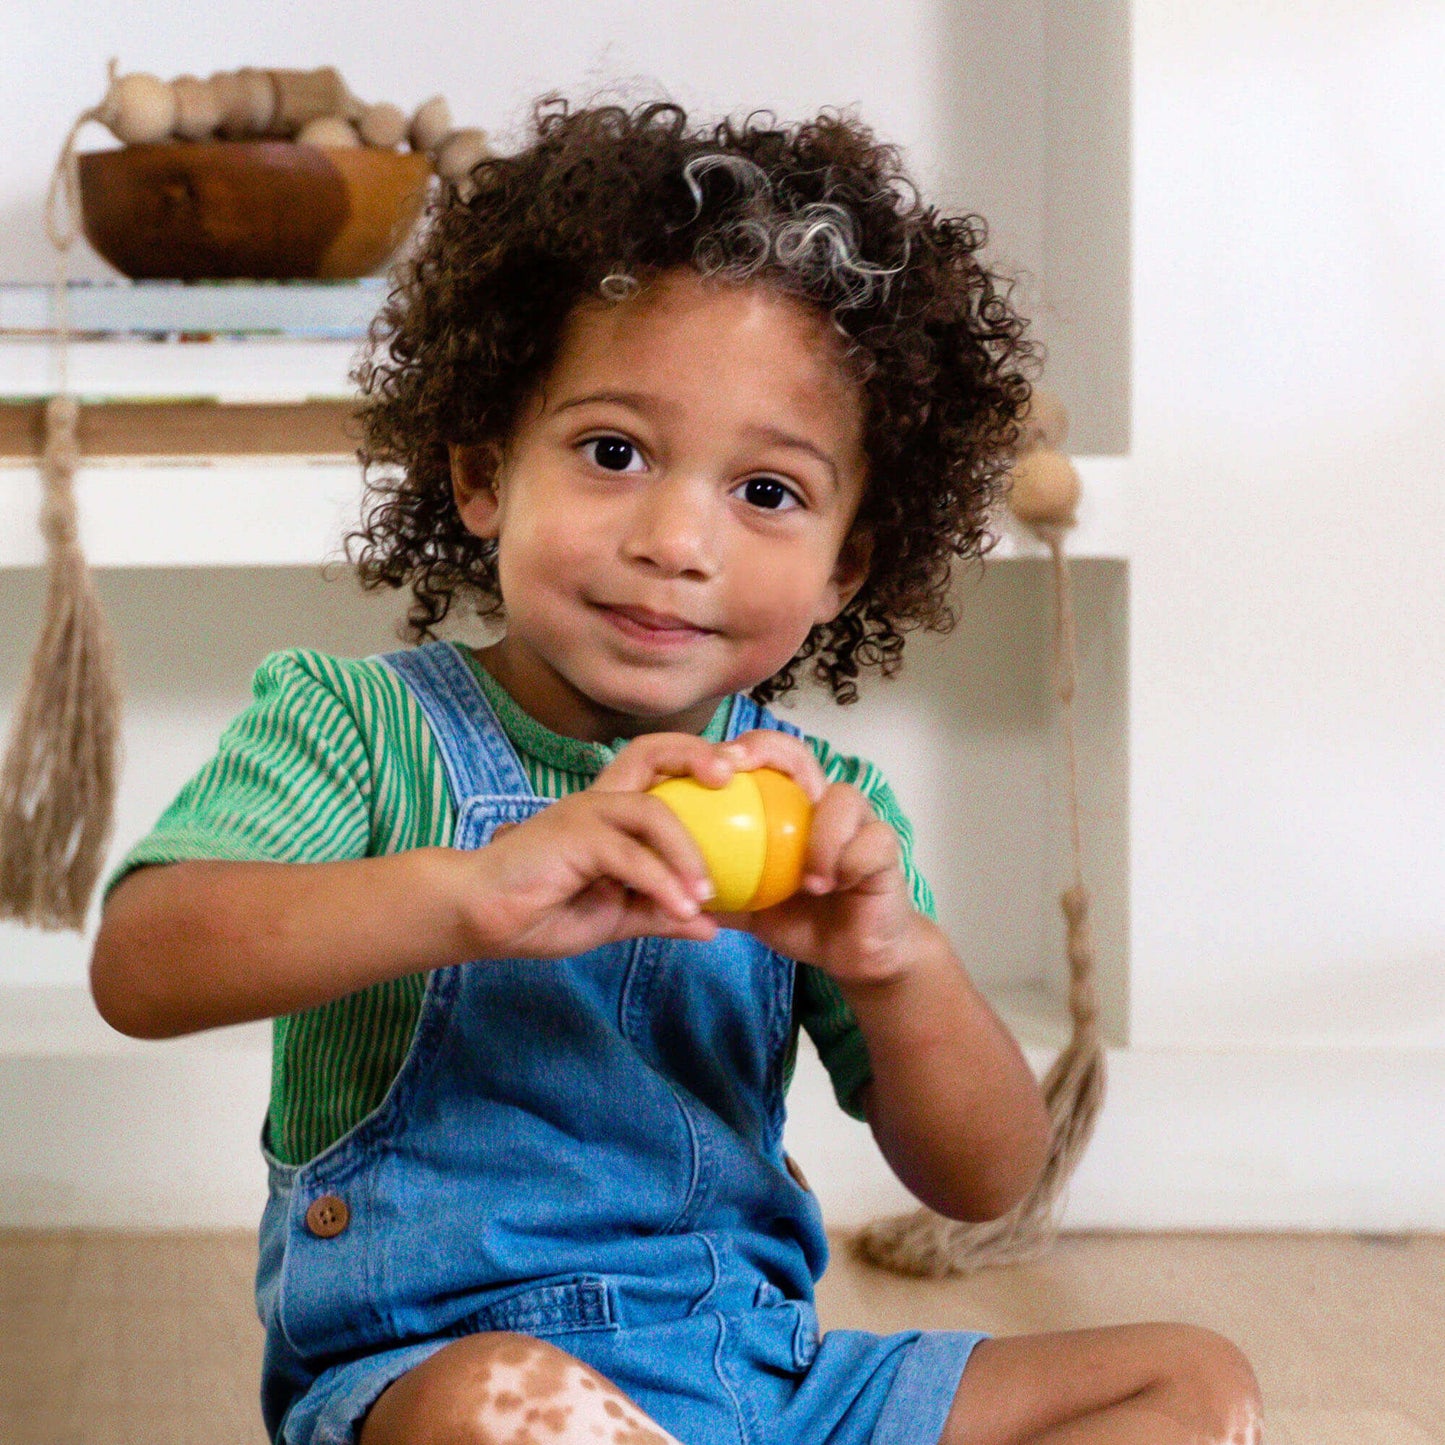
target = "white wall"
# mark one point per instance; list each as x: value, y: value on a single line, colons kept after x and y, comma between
x: 1288, y: 668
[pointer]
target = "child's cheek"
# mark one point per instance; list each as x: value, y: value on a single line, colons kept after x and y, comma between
x: 775, y: 616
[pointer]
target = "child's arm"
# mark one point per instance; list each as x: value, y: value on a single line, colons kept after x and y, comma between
x: 194, y: 945
x: 952, y: 1103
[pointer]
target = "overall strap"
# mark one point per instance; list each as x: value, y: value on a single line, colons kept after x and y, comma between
x: 747, y: 715
x: 478, y: 757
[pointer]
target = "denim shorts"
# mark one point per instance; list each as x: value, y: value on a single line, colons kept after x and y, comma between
x: 758, y: 1377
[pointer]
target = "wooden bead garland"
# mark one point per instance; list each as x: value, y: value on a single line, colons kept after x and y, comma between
x: 311, y: 107
x: 1043, y: 495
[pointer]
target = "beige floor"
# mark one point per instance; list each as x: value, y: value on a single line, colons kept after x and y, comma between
x: 114, y: 1339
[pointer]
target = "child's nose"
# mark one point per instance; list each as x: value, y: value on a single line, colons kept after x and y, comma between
x: 672, y: 529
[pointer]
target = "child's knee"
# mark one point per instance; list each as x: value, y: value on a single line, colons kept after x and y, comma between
x: 1215, y: 1384
x: 506, y: 1389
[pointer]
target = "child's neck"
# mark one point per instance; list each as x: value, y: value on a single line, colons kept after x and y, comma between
x: 556, y: 704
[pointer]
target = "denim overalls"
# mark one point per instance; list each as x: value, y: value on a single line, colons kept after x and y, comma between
x: 586, y: 1150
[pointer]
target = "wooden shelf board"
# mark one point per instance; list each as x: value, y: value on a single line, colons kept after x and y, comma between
x: 171, y: 429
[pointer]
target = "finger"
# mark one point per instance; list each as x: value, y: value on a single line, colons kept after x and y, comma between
x: 634, y: 865
x: 654, y: 824
x: 640, y: 917
x: 649, y: 759
x: 838, y: 816
x: 768, y: 748
x: 870, y: 858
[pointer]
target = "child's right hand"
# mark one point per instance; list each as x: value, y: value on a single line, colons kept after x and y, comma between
x: 605, y: 864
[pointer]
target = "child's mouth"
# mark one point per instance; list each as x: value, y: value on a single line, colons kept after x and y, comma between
x: 659, y: 628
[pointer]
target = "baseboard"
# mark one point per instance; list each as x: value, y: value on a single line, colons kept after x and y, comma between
x: 109, y: 1133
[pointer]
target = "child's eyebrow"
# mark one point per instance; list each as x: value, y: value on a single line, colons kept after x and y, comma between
x: 637, y: 400
x: 778, y: 437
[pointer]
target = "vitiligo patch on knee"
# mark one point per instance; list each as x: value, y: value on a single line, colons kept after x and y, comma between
x: 532, y: 1394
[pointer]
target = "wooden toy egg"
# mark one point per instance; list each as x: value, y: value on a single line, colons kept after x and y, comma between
x: 382, y: 125
x: 753, y: 833
x: 328, y: 130
x: 140, y: 109
x: 431, y: 124
x: 1044, y: 488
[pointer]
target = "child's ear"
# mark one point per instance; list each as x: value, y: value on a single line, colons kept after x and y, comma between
x: 850, y: 572
x: 474, y: 486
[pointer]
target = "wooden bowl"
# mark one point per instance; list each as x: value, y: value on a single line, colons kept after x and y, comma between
x: 208, y: 210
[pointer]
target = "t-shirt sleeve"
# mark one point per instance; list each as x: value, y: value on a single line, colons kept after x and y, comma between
x: 290, y: 781
x: 822, y: 1010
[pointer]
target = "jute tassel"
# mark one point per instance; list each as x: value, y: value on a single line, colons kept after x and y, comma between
x: 925, y: 1243
x: 57, y: 783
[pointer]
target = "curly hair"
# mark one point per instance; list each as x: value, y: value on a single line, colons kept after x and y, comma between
x: 605, y: 199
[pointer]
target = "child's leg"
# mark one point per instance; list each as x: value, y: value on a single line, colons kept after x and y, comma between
x: 1128, y: 1385
x: 503, y: 1389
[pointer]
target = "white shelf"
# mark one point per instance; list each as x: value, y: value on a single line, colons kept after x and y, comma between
x: 260, y: 513
x: 263, y: 512
x: 311, y: 309
x: 250, y: 369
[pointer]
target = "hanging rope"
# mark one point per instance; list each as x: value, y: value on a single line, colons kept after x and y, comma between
x: 57, y: 782
x: 926, y: 1243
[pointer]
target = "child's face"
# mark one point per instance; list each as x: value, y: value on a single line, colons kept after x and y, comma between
x: 674, y: 511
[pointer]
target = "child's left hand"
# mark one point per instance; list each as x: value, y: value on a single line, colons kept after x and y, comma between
x: 853, y: 917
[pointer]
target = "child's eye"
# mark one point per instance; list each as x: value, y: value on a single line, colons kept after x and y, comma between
x: 613, y: 454
x: 770, y: 494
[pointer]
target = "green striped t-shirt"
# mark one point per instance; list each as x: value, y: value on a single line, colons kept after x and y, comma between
x: 334, y: 760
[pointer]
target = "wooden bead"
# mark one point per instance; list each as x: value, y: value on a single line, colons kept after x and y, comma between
x: 383, y: 126
x: 456, y: 156
x: 198, y: 111
x: 236, y: 101
x: 260, y: 92
x: 140, y: 109
x: 431, y: 124
x: 1045, y: 424
x: 232, y: 100
x: 328, y: 130
x: 306, y: 95
x: 1044, y: 488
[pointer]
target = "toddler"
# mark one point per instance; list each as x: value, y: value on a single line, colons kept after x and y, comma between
x: 683, y: 410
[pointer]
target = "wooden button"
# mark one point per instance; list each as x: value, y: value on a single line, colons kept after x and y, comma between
x: 328, y: 1216
x: 798, y: 1177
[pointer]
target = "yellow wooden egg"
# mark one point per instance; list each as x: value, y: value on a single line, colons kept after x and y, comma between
x: 753, y: 834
